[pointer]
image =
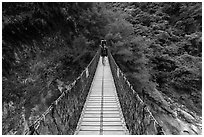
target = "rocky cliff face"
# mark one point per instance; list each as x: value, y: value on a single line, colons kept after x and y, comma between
x: 178, y: 120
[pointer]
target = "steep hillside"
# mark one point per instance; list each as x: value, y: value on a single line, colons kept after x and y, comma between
x: 159, y: 47
x: 45, y: 46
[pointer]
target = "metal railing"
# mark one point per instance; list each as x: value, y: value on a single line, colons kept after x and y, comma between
x: 62, y: 116
x: 139, y: 120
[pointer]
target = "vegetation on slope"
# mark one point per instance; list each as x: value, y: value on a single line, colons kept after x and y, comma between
x: 157, y: 45
x: 45, y: 45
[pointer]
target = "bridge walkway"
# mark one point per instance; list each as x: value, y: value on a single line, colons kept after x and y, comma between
x: 102, y: 113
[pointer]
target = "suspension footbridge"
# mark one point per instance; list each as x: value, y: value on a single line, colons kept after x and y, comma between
x: 91, y: 106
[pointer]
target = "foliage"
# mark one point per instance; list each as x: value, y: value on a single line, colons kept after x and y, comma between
x: 157, y: 45
x: 161, y: 55
x: 42, y: 51
x: 164, y: 49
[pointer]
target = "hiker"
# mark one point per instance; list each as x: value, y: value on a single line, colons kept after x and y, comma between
x: 104, y: 51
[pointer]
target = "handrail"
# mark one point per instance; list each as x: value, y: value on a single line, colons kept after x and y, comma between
x: 33, y: 128
x: 120, y: 76
x: 57, y: 119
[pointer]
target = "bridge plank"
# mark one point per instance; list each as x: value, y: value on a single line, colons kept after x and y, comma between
x: 89, y: 133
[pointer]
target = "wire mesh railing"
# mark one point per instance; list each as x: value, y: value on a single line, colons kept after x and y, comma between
x: 62, y: 116
x: 139, y: 120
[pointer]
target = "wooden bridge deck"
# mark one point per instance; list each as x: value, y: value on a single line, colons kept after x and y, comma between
x: 102, y: 113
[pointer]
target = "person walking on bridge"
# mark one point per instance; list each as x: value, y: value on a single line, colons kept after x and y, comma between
x: 104, y: 51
